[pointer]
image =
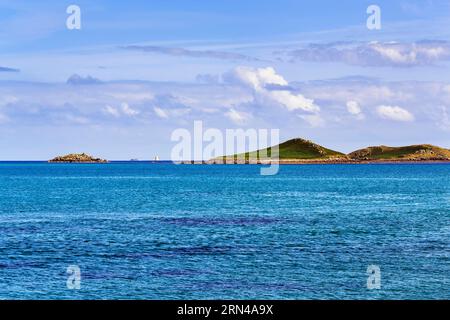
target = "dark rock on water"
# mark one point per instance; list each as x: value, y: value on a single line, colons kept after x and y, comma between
x: 78, y: 158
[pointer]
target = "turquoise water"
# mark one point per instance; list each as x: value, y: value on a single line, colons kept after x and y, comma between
x: 161, y: 231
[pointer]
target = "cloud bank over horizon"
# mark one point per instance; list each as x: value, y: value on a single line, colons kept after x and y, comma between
x: 243, y: 96
x: 378, y: 54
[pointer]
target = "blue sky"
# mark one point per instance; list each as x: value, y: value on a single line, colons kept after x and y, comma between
x: 137, y: 70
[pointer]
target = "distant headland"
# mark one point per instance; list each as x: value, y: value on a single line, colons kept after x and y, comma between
x: 77, y: 158
x: 301, y: 151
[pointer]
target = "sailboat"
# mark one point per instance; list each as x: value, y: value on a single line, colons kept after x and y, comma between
x: 156, y: 158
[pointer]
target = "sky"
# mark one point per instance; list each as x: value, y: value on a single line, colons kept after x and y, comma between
x: 136, y: 71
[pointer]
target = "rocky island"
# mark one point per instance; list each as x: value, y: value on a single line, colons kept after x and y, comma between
x: 291, y: 151
x: 77, y: 158
x: 301, y: 151
x: 414, y: 153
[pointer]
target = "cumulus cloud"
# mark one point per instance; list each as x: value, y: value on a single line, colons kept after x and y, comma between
x: 392, y: 54
x: 394, y: 113
x: 170, y: 113
x: 167, y: 106
x: 124, y: 109
x: 236, y: 117
x: 190, y: 53
x: 160, y: 113
x: 258, y: 78
x: 248, y: 100
x: 272, y: 87
x: 314, y: 120
x: 353, y: 107
x: 127, y: 110
x: 112, y: 111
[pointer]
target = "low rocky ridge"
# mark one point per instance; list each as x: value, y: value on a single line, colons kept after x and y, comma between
x: 421, y: 152
x: 78, y: 158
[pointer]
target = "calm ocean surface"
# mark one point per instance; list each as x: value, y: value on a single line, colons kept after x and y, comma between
x: 161, y: 231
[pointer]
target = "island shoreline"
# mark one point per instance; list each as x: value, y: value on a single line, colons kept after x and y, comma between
x: 305, y: 162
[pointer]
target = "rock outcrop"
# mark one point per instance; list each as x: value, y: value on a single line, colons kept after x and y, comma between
x: 421, y: 152
x: 78, y: 158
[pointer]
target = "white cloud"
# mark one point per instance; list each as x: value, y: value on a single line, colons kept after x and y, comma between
x: 270, y: 86
x: 353, y: 107
x: 127, y: 110
x: 235, y: 116
x: 293, y: 101
x: 160, y: 113
x: 259, y: 77
x: 394, y: 113
x: 314, y: 120
x: 111, y: 111
x: 169, y: 113
x: 47, y: 104
x: 392, y: 54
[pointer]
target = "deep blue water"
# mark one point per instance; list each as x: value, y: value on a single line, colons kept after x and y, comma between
x: 161, y: 231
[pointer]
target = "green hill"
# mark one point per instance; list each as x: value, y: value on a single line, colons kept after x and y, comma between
x: 421, y: 152
x: 294, y: 149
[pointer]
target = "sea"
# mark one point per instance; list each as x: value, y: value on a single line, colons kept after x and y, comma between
x: 142, y: 230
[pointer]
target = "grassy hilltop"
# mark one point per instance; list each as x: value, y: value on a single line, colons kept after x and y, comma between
x: 294, y: 149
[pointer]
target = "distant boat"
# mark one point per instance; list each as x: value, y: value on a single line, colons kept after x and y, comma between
x: 134, y: 159
x: 156, y: 158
